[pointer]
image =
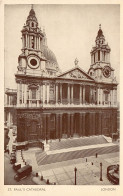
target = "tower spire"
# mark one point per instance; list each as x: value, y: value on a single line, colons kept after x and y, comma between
x: 99, y: 26
x: 31, y: 6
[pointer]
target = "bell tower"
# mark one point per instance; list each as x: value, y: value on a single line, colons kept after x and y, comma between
x: 31, y: 61
x: 100, y: 67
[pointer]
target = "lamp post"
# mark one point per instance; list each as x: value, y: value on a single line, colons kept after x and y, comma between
x: 75, y: 169
x: 101, y: 172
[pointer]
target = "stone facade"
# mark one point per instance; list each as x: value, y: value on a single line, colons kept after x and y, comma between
x: 55, y: 105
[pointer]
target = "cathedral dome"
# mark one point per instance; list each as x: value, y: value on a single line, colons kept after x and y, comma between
x: 49, y: 55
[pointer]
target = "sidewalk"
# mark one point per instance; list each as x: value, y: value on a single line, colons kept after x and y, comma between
x: 87, y: 174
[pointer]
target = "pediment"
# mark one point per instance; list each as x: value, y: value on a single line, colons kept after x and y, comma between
x: 76, y: 73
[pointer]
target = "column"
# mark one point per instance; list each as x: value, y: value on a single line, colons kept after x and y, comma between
x: 101, y: 96
x: 37, y: 98
x: 48, y: 126
x: 93, y: 124
x: 57, y: 126
x: 26, y: 40
x: 40, y: 43
x: 92, y: 101
x: 56, y: 93
x: 68, y: 93
x: 30, y: 102
x: 43, y: 93
x: 72, y: 118
x: 113, y: 97
x: 90, y: 94
x: 98, y: 95
x: 60, y: 135
x: 80, y: 94
x: 30, y: 41
x: 48, y: 89
x: 9, y: 120
x: 18, y: 94
x: 80, y: 124
x: 25, y: 95
x: 22, y: 93
x: 41, y: 96
x: 100, y: 123
x: 22, y: 41
x: 68, y: 120
x: 101, y: 55
x: 9, y: 100
x: 44, y: 126
x: 83, y: 124
x: 35, y: 42
x: 83, y: 94
x: 72, y: 93
x: 60, y: 92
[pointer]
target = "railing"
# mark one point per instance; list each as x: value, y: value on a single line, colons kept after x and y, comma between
x: 10, y: 105
x: 113, y: 174
x: 8, y: 90
x: 63, y: 104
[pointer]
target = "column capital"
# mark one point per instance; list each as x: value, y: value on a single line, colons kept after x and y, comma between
x: 80, y: 113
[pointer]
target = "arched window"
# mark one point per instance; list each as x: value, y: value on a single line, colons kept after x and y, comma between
x: 98, y: 55
x: 32, y: 24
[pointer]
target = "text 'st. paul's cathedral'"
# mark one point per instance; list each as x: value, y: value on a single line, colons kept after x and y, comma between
x: 55, y: 105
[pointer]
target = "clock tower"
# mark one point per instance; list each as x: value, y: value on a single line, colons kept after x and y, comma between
x: 100, y: 68
x: 36, y: 58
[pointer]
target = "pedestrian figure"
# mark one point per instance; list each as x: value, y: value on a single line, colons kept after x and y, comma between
x: 86, y: 159
x: 96, y: 155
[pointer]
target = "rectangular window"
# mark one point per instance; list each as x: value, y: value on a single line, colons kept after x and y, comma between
x: 33, y: 93
x: 106, y: 96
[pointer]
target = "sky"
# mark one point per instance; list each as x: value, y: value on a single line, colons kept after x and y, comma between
x: 71, y: 31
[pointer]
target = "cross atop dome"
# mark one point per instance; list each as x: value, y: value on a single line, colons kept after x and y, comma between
x: 99, y: 26
x: 76, y: 62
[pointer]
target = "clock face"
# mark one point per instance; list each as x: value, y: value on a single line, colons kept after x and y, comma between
x: 107, y: 71
x: 33, y: 62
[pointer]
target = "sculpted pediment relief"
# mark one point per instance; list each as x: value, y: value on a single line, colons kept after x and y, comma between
x: 75, y: 74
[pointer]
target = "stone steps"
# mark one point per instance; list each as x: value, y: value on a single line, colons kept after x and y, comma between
x: 59, y: 157
x: 40, y: 156
x: 68, y: 143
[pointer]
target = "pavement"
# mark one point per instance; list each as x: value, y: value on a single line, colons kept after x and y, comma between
x: 87, y: 174
x: 62, y: 173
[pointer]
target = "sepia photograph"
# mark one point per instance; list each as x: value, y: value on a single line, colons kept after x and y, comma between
x: 61, y: 94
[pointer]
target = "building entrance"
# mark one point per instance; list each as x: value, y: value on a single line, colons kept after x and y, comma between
x: 33, y: 134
